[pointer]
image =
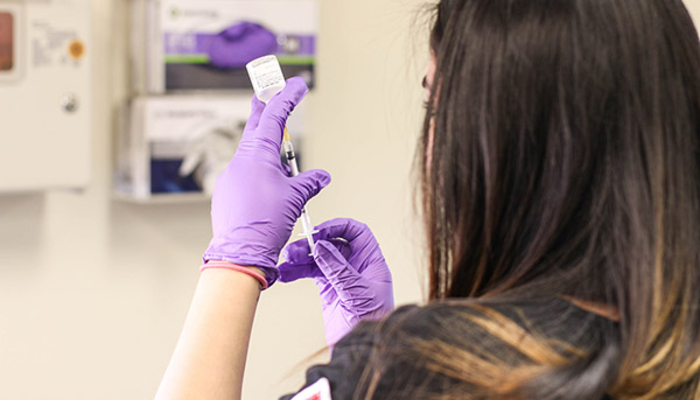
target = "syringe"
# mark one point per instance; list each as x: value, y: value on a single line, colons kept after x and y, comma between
x: 292, y: 162
x: 268, y: 80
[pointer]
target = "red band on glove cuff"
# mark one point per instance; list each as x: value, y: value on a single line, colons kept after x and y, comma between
x: 237, y: 268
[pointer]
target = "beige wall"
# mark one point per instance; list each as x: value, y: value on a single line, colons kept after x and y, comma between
x: 93, y: 292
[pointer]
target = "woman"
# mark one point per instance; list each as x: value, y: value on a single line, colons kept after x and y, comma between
x: 561, y: 191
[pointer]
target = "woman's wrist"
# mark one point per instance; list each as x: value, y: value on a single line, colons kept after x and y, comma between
x: 253, y: 272
x: 254, y: 269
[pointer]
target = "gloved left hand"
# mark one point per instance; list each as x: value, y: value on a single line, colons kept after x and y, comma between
x: 255, y: 203
x: 350, y: 271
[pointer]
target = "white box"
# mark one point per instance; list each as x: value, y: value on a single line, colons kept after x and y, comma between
x: 185, y: 45
x: 164, y: 132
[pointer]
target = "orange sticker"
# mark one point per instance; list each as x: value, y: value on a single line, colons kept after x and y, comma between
x: 76, y: 49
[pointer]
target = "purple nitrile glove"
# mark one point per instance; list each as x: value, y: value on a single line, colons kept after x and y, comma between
x: 240, y: 44
x: 256, y: 203
x: 350, y: 271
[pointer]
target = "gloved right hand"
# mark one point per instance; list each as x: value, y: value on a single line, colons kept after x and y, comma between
x: 350, y: 271
x: 256, y: 203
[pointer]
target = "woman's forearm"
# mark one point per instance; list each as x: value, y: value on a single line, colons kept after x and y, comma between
x: 210, y: 356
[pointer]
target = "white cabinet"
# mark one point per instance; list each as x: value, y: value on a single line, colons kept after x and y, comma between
x: 45, y: 94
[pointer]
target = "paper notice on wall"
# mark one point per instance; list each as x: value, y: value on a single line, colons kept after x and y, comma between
x: 54, y: 46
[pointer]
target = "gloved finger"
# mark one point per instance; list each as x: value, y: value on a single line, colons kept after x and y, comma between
x: 346, y: 228
x: 256, y: 111
x: 350, y: 286
x: 299, y: 253
x: 274, y: 117
x: 286, y: 169
x: 309, y: 183
x: 290, y: 272
x: 325, y: 290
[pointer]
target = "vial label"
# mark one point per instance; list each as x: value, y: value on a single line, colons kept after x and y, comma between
x: 268, y: 75
x: 265, y: 73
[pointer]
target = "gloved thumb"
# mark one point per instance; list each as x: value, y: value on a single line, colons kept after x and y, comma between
x: 350, y: 286
x: 310, y: 183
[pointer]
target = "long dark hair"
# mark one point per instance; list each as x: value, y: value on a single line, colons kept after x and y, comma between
x: 562, y: 158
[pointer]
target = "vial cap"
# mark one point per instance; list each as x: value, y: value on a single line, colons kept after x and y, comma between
x: 266, y: 75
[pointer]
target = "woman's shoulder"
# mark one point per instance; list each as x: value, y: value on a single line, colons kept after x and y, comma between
x: 414, y: 343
